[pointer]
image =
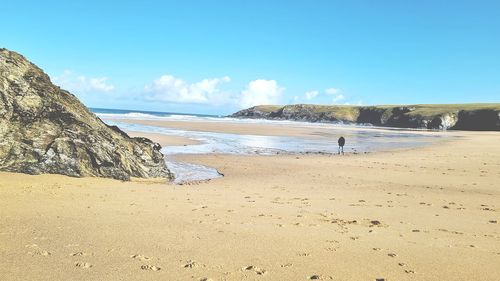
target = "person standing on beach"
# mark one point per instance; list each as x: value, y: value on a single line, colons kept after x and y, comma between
x: 341, y: 145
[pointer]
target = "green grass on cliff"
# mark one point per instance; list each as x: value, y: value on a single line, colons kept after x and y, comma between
x: 342, y: 112
x: 268, y: 108
x: 427, y: 110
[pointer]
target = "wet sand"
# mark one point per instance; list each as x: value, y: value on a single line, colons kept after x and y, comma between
x: 164, y: 140
x: 298, y: 129
x: 429, y: 213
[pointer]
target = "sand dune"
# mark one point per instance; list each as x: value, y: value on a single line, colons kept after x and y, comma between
x: 420, y: 214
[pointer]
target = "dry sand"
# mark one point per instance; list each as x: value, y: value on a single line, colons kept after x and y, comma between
x: 420, y: 214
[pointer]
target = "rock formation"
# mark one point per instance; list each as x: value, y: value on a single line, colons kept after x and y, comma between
x: 441, y: 117
x: 44, y: 129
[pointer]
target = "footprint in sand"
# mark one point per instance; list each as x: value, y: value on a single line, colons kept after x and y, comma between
x: 190, y: 264
x: 375, y: 223
x: 85, y: 265
x: 250, y: 267
x: 260, y: 271
x: 257, y: 270
x: 44, y: 253
x: 40, y: 253
x: 150, y: 267
x: 319, y: 277
x: 331, y: 249
x: 140, y: 257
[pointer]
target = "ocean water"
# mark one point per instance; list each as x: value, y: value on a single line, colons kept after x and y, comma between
x: 150, y: 115
x: 360, y: 140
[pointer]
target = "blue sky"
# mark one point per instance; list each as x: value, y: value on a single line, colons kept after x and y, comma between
x: 216, y: 57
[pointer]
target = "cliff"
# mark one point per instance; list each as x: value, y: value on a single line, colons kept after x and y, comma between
x: 44, y: 129
x: 478, y: 117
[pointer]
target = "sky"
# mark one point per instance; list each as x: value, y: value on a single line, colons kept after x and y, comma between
x: 217, y: 57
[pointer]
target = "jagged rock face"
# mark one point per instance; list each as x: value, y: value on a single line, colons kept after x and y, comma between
x: 44, y: 129
x: 483, y: 120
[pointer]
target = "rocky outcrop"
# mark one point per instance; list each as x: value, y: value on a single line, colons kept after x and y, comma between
x: 440, y: 117
x: 44, y: 129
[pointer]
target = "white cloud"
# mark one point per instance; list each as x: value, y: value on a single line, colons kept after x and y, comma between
x: 332, y: 91
x: 338, y: 97
x: 100, y: 84
x: 168, y: 88
x: 317, y: 96
x: 80, y: 84
x: 311, y: 95
x: 259, y: 92
x: 335, y: 93
x: 171, y: 89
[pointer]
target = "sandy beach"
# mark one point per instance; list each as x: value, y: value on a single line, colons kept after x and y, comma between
x: 428, y: 213
x: 298, y: 129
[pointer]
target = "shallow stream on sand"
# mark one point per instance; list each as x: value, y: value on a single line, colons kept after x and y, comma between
x: 358, y: 141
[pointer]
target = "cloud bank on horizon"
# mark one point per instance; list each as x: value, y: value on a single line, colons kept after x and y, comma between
x: 169, y: 89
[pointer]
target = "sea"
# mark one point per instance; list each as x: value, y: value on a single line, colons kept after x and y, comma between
x: 360, y: 139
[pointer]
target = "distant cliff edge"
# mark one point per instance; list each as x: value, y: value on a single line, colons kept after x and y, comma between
x: 44, y: 129
x: 474, y: 117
